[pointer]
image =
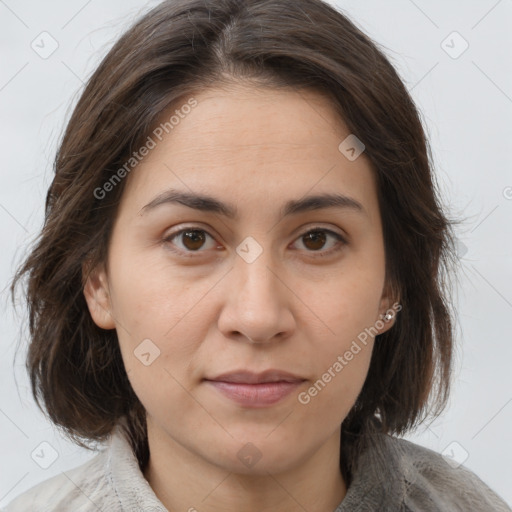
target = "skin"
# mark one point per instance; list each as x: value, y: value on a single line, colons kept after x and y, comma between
x: 214, y: 312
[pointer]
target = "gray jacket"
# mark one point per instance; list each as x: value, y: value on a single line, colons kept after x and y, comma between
x: 413, y: 478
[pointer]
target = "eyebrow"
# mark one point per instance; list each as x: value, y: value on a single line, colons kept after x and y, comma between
x: 207, y: 203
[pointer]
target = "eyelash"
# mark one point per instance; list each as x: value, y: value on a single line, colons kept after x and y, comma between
x: 191, y: 254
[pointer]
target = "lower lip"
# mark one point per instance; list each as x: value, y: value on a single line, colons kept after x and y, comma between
x: 255, y: 395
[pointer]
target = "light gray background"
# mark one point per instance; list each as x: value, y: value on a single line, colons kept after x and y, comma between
x: 466, y: 104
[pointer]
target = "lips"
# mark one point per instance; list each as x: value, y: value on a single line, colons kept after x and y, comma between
x: 246, y: 377
x: 255, y: 390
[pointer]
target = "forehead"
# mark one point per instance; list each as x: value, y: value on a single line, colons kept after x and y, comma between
x: 251, y: 144
x: 253, y: 121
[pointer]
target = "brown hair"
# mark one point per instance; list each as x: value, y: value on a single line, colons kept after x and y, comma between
x: 182, y: 46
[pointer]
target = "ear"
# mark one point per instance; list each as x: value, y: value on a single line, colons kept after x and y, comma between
x: 97, y: 295
x: 389, y: 305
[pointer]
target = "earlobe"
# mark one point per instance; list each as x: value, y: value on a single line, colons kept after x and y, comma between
x: 386, y: 319
x: 388, y: 309
x: 96, y: 292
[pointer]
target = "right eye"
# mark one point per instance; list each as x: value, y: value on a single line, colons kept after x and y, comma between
x: 193, y: 240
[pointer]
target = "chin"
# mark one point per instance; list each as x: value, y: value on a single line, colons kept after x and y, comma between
x: 258, y: 454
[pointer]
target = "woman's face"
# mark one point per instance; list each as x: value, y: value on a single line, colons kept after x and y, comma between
x: 262, y: 283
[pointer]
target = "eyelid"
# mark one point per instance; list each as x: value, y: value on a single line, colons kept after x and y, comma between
x: 342, y: 239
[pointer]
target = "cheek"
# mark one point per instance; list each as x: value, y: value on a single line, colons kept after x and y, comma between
x: 161, y: 322
x: 165, y: 396
x: 340, y: 372
x: 343, y: 339
x: 347, y: 306
x: 151, y: 296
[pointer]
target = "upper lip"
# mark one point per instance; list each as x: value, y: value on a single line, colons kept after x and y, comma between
x: 246, y: 377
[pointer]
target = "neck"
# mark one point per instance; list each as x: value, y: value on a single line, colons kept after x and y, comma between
x: 183, y: 480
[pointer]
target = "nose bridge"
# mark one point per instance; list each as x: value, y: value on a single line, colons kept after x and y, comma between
x: 254, y: 271
x: 255, y: 303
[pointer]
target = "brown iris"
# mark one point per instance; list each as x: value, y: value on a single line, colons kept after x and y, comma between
x: 315, y: 237
x: 195, y: 237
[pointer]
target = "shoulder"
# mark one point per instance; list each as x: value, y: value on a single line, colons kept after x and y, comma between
x: 392, y: 474
x: 434, y: 482
x: 84, y: 488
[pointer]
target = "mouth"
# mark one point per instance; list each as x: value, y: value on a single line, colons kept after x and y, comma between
x: 255, y: 389
x: 246, y: 377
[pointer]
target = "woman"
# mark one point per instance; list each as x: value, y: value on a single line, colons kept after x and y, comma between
x: 240, y: 284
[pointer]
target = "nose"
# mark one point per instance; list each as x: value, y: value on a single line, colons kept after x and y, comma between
x: 257, y: 304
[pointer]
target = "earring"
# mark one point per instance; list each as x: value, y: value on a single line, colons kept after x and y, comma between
x: 388, y: 317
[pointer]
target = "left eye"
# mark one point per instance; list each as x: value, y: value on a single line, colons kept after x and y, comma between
x: 316, y: 237
x: 194, y: 239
